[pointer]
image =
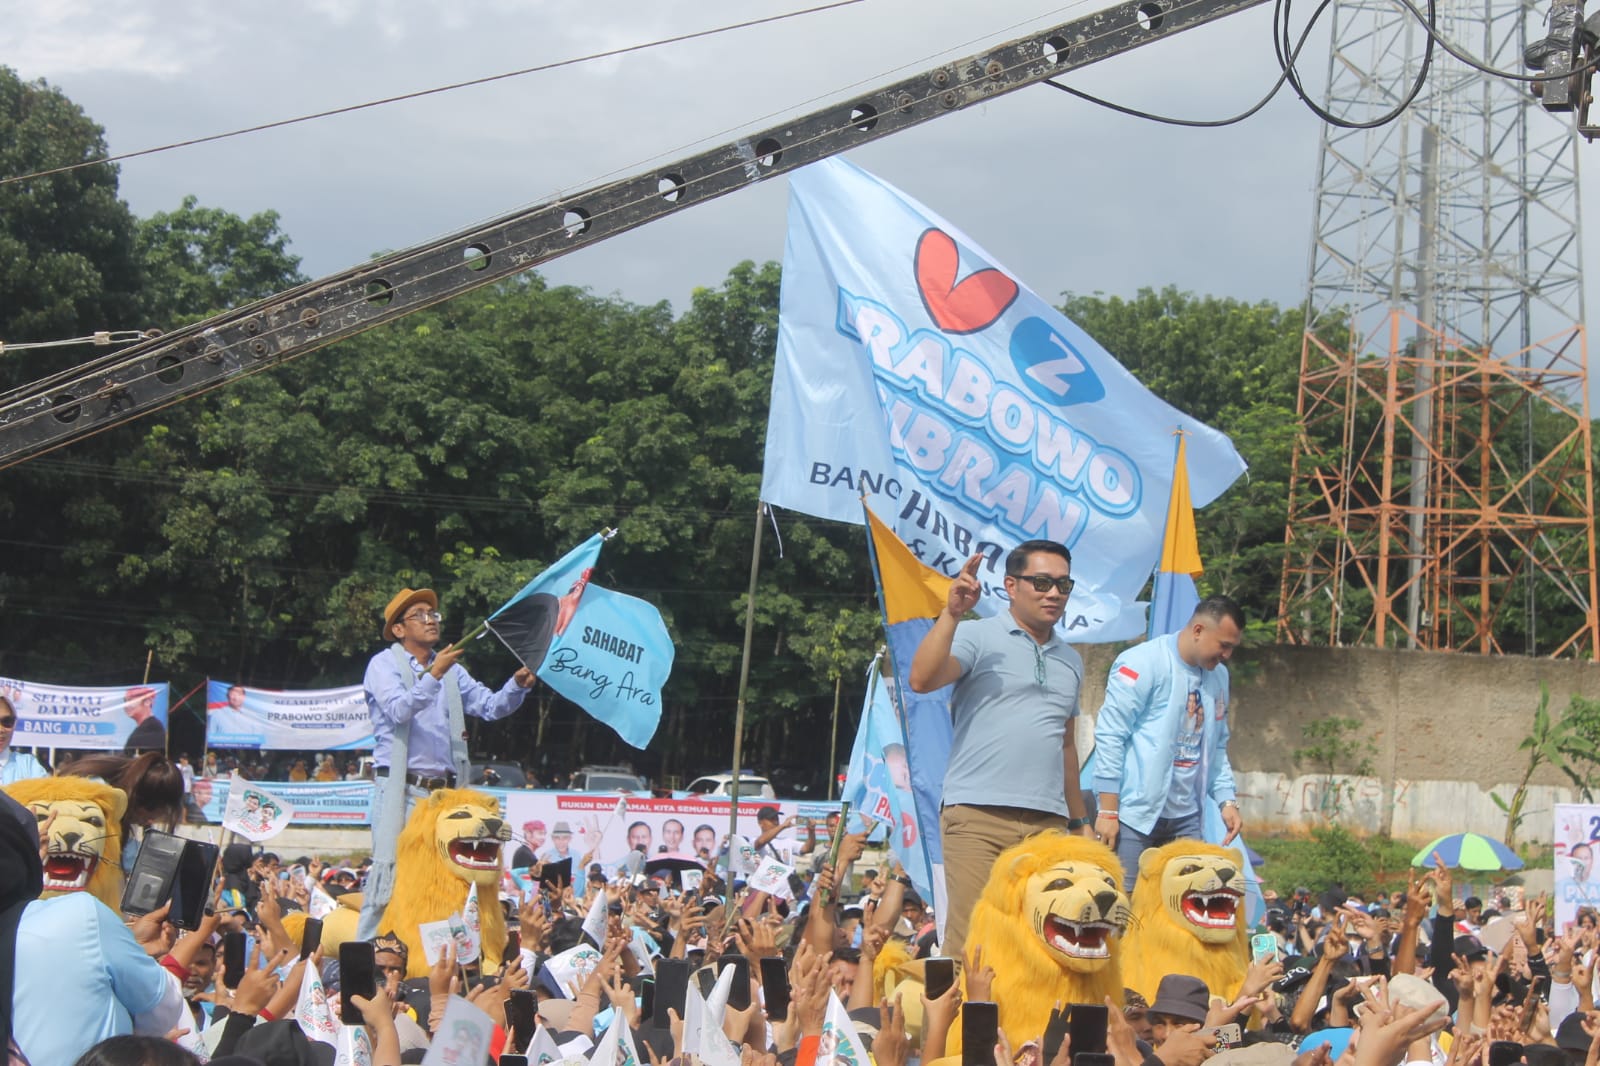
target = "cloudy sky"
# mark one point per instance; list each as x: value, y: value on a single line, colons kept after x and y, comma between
x: 1069, y: 196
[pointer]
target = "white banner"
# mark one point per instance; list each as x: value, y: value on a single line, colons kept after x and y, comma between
x: 1577, y: 841
x: 124, y: 717
x: 328, y: 719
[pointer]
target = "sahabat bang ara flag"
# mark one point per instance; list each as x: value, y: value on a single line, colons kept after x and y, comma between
x: 912, y: 369
x: 608, y: 653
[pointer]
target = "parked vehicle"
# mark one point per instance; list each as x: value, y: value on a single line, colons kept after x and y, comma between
x: 751, y: 786
x: 608, y: 779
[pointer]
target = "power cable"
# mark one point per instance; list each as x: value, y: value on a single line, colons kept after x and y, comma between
x: 846, y: 121
x: 347, y: 109
x: 100, y: 338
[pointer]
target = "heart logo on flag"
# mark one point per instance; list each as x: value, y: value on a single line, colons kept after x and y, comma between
x: 980, y: 298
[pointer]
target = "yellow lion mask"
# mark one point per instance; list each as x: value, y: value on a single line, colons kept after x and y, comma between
x: 1048, y: 922
x: 1188, y: 917
x: 452, y: 840
x: 85, y: 840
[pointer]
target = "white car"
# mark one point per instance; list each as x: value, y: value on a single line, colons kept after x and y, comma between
x: 750, y: 786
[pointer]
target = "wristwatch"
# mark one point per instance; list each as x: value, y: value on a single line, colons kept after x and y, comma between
x: 1228, y: 803
x: 1074, y: 824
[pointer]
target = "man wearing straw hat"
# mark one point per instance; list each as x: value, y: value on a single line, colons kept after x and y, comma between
x: 418, y: 699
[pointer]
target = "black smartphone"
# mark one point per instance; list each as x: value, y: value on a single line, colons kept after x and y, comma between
x: 980, y: 1028
x: 154, y: 871
x: 191, y: 888
x: 775, y: 988
x: 739, y: 991
x: 513, y: 1060
x: 1504, y: 1052
x: 647, y: 998
x: 938, y: 975
x: 705, y: 978
x: 358, y: 976
x: 1086, y: 1028
x: 232, y: 959
x: 521, y: 1017
x: 1094, y: 1058
x: 556, y: 874
x: 1055, y: 1031
x: 311, y: 939
x: 672, y: 986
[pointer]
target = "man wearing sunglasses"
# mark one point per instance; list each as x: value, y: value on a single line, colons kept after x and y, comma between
x: 1013, y: 754
x: 1161, y: 738
x: 14, y: 765
x: 418, y: 698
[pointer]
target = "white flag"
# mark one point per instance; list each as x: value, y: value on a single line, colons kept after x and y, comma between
x: 471, y: 941
x: 436, y: 936
x: 253, y: 812
x: 772, y: 877
x: 616, y: 1046
x: 321, y: 904
x: 694, y: 1017
x: 715, y: 1047
x: 594, y: 925
x: 463, y: 1036
x: 311, y: 1009
x: 542, y: 1048
x: 848, y: 1050
x: 354, y: 1047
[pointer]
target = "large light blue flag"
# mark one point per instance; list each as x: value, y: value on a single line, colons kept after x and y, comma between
x: 914, y: 370
x: 607, y: 652
x: 878, y: 784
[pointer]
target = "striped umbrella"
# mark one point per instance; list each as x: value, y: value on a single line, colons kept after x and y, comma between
x: 1469, y: 851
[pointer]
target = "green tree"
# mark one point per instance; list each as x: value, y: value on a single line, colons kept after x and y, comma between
x: 1569, y: 745
x: 201, y: 260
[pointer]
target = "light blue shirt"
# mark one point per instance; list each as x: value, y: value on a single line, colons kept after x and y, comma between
x: 391, y: 703
x: 1008, y: 726
x: 1137, y: 733
x: 19, y: 766
x: 81, y: 977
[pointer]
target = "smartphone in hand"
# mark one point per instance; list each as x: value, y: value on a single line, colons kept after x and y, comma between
x: 358, y: 976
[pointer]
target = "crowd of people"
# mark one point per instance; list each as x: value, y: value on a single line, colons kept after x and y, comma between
x: 836, y: 963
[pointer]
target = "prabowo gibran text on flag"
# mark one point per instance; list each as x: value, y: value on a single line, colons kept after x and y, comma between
x: 914, y: 370
x: 607, y: 652
x: 1174, y: 596
x: 911, y: 596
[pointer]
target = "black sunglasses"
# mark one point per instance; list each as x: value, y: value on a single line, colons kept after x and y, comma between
x: 8, y: 721
x: 1044, y: 583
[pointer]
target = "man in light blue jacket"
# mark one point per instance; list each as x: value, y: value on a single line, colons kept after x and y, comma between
x: 1161, y: 738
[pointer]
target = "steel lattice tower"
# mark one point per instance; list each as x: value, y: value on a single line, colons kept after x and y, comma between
x: 1442, y: 495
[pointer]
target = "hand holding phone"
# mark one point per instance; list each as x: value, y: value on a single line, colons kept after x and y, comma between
x: 980, y: 1029
x: 358, y: 976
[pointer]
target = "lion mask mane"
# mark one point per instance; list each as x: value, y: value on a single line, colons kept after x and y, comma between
x: 1188, y: 917
x: 85, y: 840
x: 1048, y: 922
x: 451, y: 841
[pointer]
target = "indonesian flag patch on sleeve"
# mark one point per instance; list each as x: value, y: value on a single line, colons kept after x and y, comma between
x: 1127, y: 675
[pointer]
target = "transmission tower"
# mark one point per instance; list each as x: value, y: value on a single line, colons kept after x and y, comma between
x: 1441, y: 495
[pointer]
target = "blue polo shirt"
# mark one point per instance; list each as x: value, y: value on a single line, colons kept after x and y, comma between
x: 1009, y: 726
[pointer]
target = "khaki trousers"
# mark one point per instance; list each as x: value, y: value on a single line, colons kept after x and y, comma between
x: 973, y: 838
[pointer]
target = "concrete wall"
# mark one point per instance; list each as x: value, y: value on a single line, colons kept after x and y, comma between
x: 1446, y: 729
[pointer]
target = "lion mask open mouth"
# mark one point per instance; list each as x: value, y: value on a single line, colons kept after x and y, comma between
x: 1077, y: 910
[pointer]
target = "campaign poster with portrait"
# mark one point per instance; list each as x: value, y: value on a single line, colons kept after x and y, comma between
x: 113, y: 718
x: 551, y: 826
x: 1577, y: 844
x: 328, y: 719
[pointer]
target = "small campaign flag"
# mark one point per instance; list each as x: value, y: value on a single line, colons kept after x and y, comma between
x: 471, y: 937
x: 311, y: 1009
x: 1174, y: 597
x: 462, y: 1037
x: 542, y: 1048
x: 354, y: 1047
x: 848, y: 1050
x: 616, y: 1047
x: 253, y: 812
x: 594, y: 924
x: 608, y: 653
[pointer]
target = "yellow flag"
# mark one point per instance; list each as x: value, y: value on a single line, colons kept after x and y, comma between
x: 910, y: 589
x: 1180, y: 550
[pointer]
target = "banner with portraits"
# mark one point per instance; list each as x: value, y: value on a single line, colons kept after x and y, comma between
x: 115, y: 718
x: 1577, y: 843
x: 328, y: 719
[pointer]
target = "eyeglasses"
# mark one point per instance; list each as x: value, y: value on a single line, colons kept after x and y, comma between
x: 8, y: 721
x: 423, y: 616
x: 1044, y: 583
